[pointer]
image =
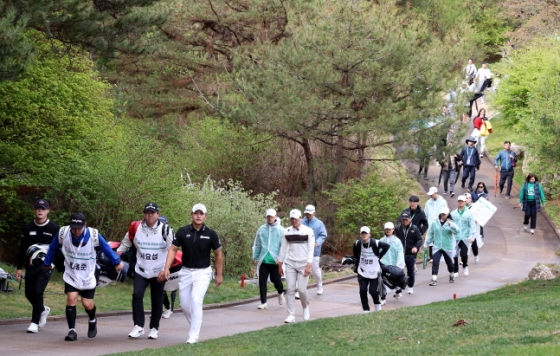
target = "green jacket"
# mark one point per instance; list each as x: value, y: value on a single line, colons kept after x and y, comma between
x: 443, y: 237
x: 465, y: 223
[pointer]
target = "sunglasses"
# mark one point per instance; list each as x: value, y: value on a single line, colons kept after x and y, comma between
x: 480, y: 186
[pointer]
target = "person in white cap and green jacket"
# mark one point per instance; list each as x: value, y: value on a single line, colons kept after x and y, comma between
x: 266, y: 251
x: 320, y: 236
x: 442, y: 234
x: 393, y: 257
x: 466, y: 235
x: 433, y: 208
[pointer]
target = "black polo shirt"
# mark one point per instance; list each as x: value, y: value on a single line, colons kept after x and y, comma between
x: 34, y: 234
x: 196, y: 245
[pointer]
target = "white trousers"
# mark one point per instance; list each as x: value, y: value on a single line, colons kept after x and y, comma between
x: 482, y: 144
x: 193, y: 284
x: 317, y: 273
x: 294, y: 275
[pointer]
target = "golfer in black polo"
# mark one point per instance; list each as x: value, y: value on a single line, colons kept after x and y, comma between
x: 196, y: 241
x: 38, y: 231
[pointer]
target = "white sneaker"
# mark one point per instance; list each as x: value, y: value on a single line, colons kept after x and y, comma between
x: 397, y: 296
x: 476, y: 259
x: 455, y: 275
x: 262, y: 306
x: 297, y: 295
x: 306, y: 313
x: 153, y: 333
x: 166, y: 313
x: 319, y: 290
x: 192, y: 340
x: 281, y: 299
x: 366, y: 311
x: 410, y: 290
x: 466, y: 271
x: 136, y: 332
x: 44, y: 316
x: 377, y: 307
x: 383, y: 302
x: 290, y: 319
x: 33, y: 328
x: 532, y: 231
x: 525, y: 227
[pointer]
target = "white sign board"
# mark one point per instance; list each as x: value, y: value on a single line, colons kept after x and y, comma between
x: 482, y: 211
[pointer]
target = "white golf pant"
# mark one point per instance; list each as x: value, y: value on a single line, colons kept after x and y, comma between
x: 317, y: 273
x: 294, y: 274
x: 193, y: 284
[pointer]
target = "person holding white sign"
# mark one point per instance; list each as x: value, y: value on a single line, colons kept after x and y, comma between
x: 480, y: 192
x: 465, y: 222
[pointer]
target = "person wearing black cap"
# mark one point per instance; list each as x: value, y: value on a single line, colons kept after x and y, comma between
x: 38, y: 231
x: 411, y: 238
x: 470, y: 161
x: 80, y: 268
x: 417, y: 215
x: 152, y: 241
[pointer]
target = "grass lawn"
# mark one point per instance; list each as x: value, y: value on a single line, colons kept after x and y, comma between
x: 119, y: 296
x: 520, y: 319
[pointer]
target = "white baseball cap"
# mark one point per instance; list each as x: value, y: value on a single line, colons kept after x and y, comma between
x: 432, y: 191
x: 198, y: 207
x: 461, y: 198
x: 270, y: 212
x: 444, y: 210
x: 365, y: 229
x: 310, y: 209
x: 295, y: 214
x: 388, y: 225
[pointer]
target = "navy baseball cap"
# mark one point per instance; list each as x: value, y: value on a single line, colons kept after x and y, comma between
x: 77, y: 221
x: 151, y: 206
x: 42, y: 203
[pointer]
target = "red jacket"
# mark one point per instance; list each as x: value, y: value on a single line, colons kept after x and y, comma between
x: 477, y: 122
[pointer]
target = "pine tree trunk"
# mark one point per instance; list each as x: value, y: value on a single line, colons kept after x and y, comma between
x: 309, y: 160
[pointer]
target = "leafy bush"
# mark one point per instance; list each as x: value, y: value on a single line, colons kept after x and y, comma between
x: 371, y: 202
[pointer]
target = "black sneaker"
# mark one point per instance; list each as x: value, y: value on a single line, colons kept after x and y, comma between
x: 92, y: 329
x: 72, y: 336
x: 463, y: 185
x: 452, y: 194
x: 452, y: 278
x: 433, y: 283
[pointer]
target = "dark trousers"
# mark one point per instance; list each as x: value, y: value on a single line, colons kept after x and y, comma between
x: 468, y: 171
x: 437, y: 258
x: 424, y: 164
x: 271, y: 270
x: 410, y: 262
x: 506, y: 175
x: 156, y: 294
x: 166, y: 302
x: 36, y: 280
x: 486, y: 84
x: 473, y: 102
x: 531, y: 213
x: 464, y: 252
x: 368, y: 285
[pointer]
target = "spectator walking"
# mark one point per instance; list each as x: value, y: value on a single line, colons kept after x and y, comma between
x: 320, y: 233
x: 411, y: 239
x: 152, y: 241
x: 80, y: 268
x: 432, y: 209
x: 470, y: 72
x: 394, y: 257
x: 505, y: 161
x: 531, y: 198
x: 470, y: 161
x: 38, y: 231
x: 482, y: 129
x: 480, y: 192
x: 449, y: 171
x: 196, y: 241
x: 367, y: 253
x: 442, y: 234
x: 296, y: 254
x: 266, y: 252
x: 417, y: 215
x: 484, y: 78
x: 465, y: 236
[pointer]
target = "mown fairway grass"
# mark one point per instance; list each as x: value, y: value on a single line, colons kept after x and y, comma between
x: 118, y: 297
x: 516, y: 320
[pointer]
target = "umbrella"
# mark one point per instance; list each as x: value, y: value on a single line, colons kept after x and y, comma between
x: 496, y: 183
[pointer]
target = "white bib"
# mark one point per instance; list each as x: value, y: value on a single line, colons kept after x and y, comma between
x: 369, y: 263
x: 151, y: 251
x: 79, y: 262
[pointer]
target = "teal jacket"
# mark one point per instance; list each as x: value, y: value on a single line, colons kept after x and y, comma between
x: 442, y: 236
x: 466, y: 224
x: 395, y: 255
x: 268, y: 240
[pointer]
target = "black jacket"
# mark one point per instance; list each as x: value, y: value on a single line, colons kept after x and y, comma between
x: 410, y: 237
x: 418, y: 219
